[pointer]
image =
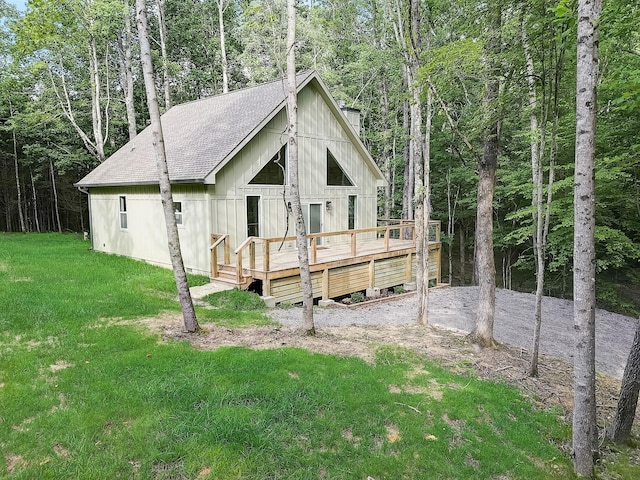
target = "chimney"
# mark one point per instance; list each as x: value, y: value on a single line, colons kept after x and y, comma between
x: 352, y: 114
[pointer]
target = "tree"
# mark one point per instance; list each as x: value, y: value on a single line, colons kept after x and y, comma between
x: 188, y: 312
x: 485, y: 262
x: 292, y: 114
x: 628, y: 400
x: 584, y: 260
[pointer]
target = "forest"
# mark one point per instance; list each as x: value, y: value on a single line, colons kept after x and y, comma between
x: 72, y: 94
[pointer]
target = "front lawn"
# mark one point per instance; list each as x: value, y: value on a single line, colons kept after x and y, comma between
x: 85, y: 394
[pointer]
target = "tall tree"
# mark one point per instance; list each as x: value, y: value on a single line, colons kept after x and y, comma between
x: 126, y: 71
x: 487, y: 166
x: 292, y: 114
x: 584, y: 259
x: 162, y: 30
x: 188, y: 312
x: 628, y: 399
x: 223, y: 46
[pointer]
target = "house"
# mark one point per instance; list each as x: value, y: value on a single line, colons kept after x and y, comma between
x: 227, y: 160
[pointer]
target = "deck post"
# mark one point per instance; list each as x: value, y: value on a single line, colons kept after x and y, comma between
x: 372, y: 273
x: 314, y: 250
x: 386, y: 239
x: 353, y: 244
x: 252, y: 255
x: 239, y: 267
x: 267, y: 255
x: 227, y: 252
x: 214, y: 263
x: 407, y: 267
x: 325, y: 284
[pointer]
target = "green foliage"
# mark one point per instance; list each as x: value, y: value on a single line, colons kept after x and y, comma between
x: 357, y: 297
x: 236, y: 300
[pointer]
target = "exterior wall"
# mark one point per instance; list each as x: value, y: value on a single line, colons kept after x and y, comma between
x: 145, y: 237
x: 318, y: 130
x: 221, y: 207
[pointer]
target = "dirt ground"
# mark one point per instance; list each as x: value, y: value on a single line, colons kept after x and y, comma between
x: 360, y: 330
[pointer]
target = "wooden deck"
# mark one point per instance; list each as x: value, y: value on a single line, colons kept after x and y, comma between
x: 340, y: 262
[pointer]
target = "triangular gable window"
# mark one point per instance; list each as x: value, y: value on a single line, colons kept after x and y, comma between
x: 335, y: 173
x: 274, y: 172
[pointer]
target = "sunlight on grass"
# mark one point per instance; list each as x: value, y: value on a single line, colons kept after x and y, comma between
x: 115, y: 402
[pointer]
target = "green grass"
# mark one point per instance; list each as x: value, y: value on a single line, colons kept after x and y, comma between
x: 84, y: 396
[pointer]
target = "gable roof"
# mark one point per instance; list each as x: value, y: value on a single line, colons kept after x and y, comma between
x: 202, y: 136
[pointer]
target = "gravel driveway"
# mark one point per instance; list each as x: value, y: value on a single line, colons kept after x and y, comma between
x: 454, y: 307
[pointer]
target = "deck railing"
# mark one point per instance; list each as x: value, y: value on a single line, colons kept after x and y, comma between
x: 218, y: 239
x: 391, y: 230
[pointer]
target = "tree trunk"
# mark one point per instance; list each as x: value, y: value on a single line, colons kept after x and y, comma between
x: 223, y: 47
x: 386, y: 134
x: 96, y: 111
x: 463, y: 256
x: 35, y: 202
x: 584, y: 262
x: 452, y: 203
x: 17, y: 172
x: 127, y: 76
x: 484, y: 257
x: 628, y: 401
x: 54, y: 189
x: 409, y: 173
x: 162, y: 28
x: 292, y: 113
x: 537, y: 150
x: 188, y: 312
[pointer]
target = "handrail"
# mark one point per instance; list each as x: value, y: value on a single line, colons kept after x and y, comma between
x: 401, y: 226
x: 219, y: 239
x: 244, y: 244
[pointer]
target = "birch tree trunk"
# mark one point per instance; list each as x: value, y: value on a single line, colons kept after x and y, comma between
x: 188, y: 312
x: 23, y: 228
x: 484, y: 255
x: 584, y: 262
x: 537, y: 151
x: 54, y: 188
x: 127, y: 75
x: 96, y: 109
x: 162, y: 28
x: 35, y: 202
x: 292, y: 113
x: 223, y: 47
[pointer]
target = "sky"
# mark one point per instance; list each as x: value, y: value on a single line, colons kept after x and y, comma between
x: 20, y: 4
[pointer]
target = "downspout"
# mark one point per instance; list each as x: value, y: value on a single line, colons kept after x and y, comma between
x: 86, y: 192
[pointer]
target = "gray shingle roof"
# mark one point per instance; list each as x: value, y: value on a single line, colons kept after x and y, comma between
x: 198, y: 136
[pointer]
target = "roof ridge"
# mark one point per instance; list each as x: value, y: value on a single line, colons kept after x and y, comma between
x: 304, y: 74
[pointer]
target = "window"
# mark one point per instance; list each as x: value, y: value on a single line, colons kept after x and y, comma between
x: 177, y: 210
x: 274, y: 172
x: 352, y: 212
x: 335, y: 173
x: 123, y: 212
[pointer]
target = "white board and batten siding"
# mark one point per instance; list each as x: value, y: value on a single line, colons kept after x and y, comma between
x: 145, y: 236
x: 318, y: 130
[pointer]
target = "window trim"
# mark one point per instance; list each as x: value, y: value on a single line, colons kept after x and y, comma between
x: 355, y: 212
x: 179, y: 213
x: 328, y: 155
x: 122, y: 212
x: 272, y: 160
x: 259, y: 219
